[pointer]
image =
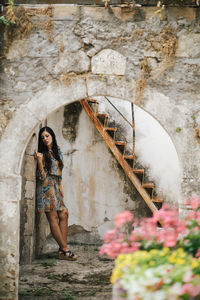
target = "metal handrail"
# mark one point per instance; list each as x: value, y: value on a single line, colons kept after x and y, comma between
x: 132, y: 125
x: 119, y: 112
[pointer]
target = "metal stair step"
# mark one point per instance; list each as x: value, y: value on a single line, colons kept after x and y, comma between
x: 111, y: 131
x: 138, y: 171
x: 103, y: 118
x: 102, y: 115
x: 93, y: 103
x: 92, y: 100
x: 128, y: 156
x: 110, y: 128
x: 148, y: 185
x: 121, y: 145
x: 158, y: 199
x: 129, y: 159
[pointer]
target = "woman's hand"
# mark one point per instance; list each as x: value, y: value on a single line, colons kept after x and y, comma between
x: 38, y: 156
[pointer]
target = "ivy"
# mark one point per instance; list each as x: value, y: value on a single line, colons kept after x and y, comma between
x: 5, y: 20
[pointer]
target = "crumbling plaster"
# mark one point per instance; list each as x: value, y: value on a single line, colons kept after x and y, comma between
x: 29, y: 78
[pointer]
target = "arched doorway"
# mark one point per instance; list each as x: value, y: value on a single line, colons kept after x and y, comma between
x: 95, y: 187
x: 12, y: 148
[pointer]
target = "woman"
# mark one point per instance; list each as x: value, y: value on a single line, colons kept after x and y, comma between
x: 50, y: 197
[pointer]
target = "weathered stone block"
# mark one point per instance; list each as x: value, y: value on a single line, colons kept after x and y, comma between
x: 67, y: 41
x: 20, y: 86
x: 188, y: 13
x: 58, y: 94
x: 13, y: 136
x: 41, y: 46
x: 114, y: 86
x: 29, y: 169
x: 96, y: 13
x: 69, y: 13
x: 10, y: 189
x: 32, y: 145
x: 188, y: 45
x: 123, y: 13
x: 153, y: 12
x: 9, y: 247
x: 110, y: 62
x: 17, y: 50
x: 30, y: 212
x: 28, y: 249
x: 77, y: 62
x: 29, y: 189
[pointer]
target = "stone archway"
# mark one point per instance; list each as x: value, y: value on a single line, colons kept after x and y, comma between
x: 13, y: 145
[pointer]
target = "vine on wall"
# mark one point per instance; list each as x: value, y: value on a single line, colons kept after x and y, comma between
x: 19, y: 23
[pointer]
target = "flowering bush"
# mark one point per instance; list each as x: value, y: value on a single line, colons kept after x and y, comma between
x: 157, y: 275
x: 157, y: 262
x: 132, y: 234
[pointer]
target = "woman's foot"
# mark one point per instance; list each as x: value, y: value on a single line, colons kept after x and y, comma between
x: 66, y: 254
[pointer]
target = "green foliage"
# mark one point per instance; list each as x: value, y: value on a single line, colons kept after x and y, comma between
x: 4, y: 21
x: 92, y: 293
x: 48, y: 262
x: 178, y: 129
x: 39, y: 292
x: 68, y: 295
x: 23, y: 293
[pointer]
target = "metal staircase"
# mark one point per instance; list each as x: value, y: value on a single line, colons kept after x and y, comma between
x: 118, y: 148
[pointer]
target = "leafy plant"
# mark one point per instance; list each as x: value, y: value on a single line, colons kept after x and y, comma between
x: 4, y: 21
x: 48, y: 262
x: 178, y: 129
x: 67, y: 293
x: 157, y: 274
x: 7, y: 20
x: 39, y: 292
x: 155, y: 262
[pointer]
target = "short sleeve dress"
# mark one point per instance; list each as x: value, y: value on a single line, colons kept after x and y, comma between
x: 49, y: 187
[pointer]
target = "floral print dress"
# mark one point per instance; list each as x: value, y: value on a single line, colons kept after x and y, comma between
x: 49, y: 187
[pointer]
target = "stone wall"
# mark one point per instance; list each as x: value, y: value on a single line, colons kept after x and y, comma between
x: 65, y: 53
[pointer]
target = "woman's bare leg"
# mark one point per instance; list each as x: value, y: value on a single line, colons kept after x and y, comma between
x: 63, y: 223
x: 53, y: 220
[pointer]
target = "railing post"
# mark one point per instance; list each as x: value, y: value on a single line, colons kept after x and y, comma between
x: 133, y: 125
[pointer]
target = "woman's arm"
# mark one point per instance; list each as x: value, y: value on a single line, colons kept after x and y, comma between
x: 61, y: 155
x: 42, y: 172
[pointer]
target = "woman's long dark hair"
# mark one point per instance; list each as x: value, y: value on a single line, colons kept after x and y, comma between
x: 42, y: 148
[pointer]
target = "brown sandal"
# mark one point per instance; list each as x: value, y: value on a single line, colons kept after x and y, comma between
x: 66, y: 255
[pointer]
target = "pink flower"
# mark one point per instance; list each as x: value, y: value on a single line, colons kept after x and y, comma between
x: 181, y: 227
x: 195, y: 202
x: 192, y: 215
x: 123, y: 218
x: 187, y: 201
x: 112, y: 249
x: 170, y: 238
x: 198, y: 216
x: 190, y: 289
x: 188, y: 276
x: 110, y: 235
x: 160, y: 236
x: 198, y: 253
